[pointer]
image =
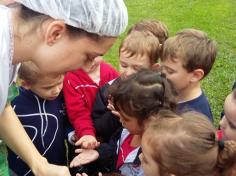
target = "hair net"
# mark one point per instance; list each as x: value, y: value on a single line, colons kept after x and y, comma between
x: 103, y: 17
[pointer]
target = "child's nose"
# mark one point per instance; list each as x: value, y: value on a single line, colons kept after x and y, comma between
x: 129, y: 72
x: 163, y: 70
x: 56, y: 90
x: 140, y: 156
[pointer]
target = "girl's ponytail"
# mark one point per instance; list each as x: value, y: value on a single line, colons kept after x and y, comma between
x: 226, y: 161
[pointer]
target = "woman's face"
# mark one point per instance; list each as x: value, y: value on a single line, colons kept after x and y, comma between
x: 70, y: 54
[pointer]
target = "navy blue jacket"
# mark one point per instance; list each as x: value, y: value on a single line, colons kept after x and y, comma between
x: 105, y: 123
x: 44, y: 121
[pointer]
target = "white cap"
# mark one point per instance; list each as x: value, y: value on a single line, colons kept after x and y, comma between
x: 102, y: 17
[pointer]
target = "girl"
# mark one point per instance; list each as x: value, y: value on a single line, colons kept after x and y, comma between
x: 58, y: 36
x: 135, y: 98
x: 228, y: 122
x: 185, y: 145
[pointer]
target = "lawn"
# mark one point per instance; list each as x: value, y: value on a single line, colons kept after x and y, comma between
x: 216, y: 17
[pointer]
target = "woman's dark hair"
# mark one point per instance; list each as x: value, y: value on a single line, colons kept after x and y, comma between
x: 29, y: 15
x: 143, y: 94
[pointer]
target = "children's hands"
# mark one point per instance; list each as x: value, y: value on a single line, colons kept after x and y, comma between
x: 112, y: 109
x: 84, y: 174
x: 84, y: 156
x: 87, y: 142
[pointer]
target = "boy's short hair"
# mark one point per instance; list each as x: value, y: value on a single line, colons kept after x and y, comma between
x: 157, y: 28
x: 29, y: 72
x: 141, y: 43
x: 193, y: 47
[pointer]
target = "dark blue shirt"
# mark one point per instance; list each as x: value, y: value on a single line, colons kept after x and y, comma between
x: 44, y: 121
x: 199, y: 104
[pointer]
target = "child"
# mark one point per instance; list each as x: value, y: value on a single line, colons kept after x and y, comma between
x: 188, y: 58
x: 57, y: 36
x: 135, y: 98
x: 222, y: 113
x: 228, y: 122
x: 40, y: 109
x: 140, y: 49
x: 157, y: 28
x: 80, y: 88
x: 185, y: 145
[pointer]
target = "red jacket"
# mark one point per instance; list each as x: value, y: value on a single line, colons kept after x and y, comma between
x: 80, y: 93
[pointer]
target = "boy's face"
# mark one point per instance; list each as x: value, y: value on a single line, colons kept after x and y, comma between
x: 130, y: 65
x: 228, y: 122
x: 177, y: 74
x: 150, y: 167
x: 48, y: 87
x: 70, y: 53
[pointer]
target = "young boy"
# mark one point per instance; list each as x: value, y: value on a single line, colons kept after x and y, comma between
x: 80, y: 88
x: 140, y: 49
x: 40, y: 109
x: 188, y: 58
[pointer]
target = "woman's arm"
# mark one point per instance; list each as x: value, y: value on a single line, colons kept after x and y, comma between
x: 14, y: 135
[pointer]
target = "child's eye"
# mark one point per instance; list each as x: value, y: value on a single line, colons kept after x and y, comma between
x: 143, y: 159
x: 169, y: 71
x: 123, y: 65
x: 137, y: 68
x: 232, y: 126
x: 47, y: 88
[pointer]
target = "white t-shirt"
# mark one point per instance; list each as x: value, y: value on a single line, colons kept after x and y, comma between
x: 7, y: 70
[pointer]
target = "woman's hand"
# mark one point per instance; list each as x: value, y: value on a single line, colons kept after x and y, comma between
x: 43, y: 168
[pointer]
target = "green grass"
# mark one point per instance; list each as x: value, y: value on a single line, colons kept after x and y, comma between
x: 216, y: 17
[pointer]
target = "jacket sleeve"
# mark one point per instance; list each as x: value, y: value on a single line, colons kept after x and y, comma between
x: 107, y: 151
x: 105, y: 122
x: 79, y: 115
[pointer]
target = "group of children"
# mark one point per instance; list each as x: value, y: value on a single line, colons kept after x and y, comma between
x: 152, y: 118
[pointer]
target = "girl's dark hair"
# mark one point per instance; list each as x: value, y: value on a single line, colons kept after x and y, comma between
x: 29, y: 15
x: 142, y: 94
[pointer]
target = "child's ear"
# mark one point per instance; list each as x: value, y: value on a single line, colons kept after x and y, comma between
x: 156, y: 66
x: 54, y: 31
x: 25, y: 84
x: 198, y: 74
